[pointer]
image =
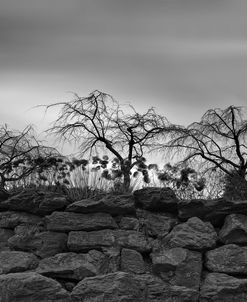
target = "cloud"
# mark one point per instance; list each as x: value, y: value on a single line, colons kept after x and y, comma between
x: 174, y: 54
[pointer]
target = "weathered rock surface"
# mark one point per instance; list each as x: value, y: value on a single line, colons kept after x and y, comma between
x: 178, y: 266
x: 193, y: 234
x: 43, y: 244
x: 84, y: 241
x: 5, y: 234
x: 132, y: 261
x: 13, y: 262
x: 113, y: 259
x: 72, y: 266
x: 67, y: 221
x: 24, y: 229
x: 223, y: 288
x: 4, y: 194
x: 81, y: 241
x: 31, y: 287
x: 132, y: 240
x: 214, y: 211
x: 113, y: 287
x: 156, y: 199
x: 155, y: 224
x: 158, y: 291
x: 129, y: 223
x: 122, y: 248
x: 11, y: 219
x: 115, y: 205
x: 234, y: 229
x: 229, y: 259
x: 35, y: 201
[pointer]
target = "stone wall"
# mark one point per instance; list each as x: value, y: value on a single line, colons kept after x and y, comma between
x: 148, y: 246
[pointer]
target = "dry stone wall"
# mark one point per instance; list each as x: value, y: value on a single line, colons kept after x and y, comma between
x: 147, y: 247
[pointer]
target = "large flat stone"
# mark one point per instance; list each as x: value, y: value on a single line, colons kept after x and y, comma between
x: 115, y: 205
x: 35, y: 201
x: 229, y: 259
x: 114, y: 287
x: 84, y: 241
x: 43, y: 244
x: 72, y: 266
x: 219, y: 287
x: 31, y: 287
x: 13, y: 262
x: 81, y: 241
x: 178, y: 266
x: 234, y: 229
x: 194, y: 234
x: 158, y: 291
x: 156, y: 199
x: 67, y: 221
x: 214, y: 211
x: 11, y: 219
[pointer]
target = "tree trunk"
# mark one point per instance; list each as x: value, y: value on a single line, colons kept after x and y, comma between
x: 126, y: 175
x: 126, y: 180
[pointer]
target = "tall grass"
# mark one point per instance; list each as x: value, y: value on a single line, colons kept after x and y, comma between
x: 81, y: 179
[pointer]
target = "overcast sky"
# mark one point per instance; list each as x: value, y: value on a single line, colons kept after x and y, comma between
x: 181, y: 56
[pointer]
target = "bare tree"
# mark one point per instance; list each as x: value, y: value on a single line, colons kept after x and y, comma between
x: 98, y: 121
x: 19, y: 151
x: 218, y: 141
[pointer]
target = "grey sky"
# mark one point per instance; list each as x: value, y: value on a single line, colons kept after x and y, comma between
x: 181, y: 56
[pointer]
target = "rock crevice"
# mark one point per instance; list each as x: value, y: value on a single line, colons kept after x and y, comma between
x: 147, y: 247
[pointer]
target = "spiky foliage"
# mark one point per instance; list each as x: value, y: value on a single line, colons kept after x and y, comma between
x: 99, y: 121
x: 21, y: 154
x: 185, y: 181
x: 218, y: 141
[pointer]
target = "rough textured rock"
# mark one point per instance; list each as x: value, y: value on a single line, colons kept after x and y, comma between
x: 155, y: 224
x: 133, y: 240
x: 13, y: 262
x: 132, y: 261
x: 156, y: 199
x: 67, y: 221
x: 158, y: 291
x: 23, y: 229
x: 81, y: 241
x: 223, y: 288
x: 234, y: 229
x: 5, y: 234
x: 84, y: 241
x: 214, y: 211
x: 11, y: 219
x: 31, y: 287
x: 113, y: 259
x: 113, y: 287
x: 229, y: 259
x: 115, y: 205
x: 122, y: 253
x: 72, y: 266
x: 193, y: 234
x: 129, y: 223
x: 35, y: 201
x: 178, y: 266
x: 43, y: 244
x: 3, y: 195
